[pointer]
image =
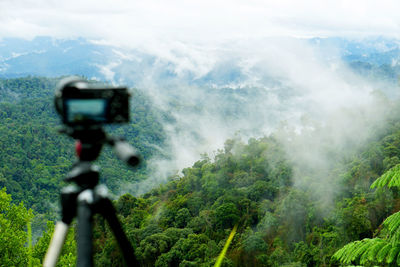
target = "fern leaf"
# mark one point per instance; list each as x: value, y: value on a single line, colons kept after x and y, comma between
x: 373, y: 251
x: 361, y: 251
x: 345, y: 254
x: 394, y: 179
x: 392, y: 254
x: 364, y: 258
x: 392, y: 223
x: 381, y: 181
x: 391, y: 220
x: 383, y: 252
x: 391, y: 178
x: 338, y: 255
x: 394, y: 236
x: 368, y: 250
x: 365, y: 244
x: 398, y: 259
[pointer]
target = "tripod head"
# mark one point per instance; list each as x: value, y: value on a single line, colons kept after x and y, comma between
x: 89, y: 142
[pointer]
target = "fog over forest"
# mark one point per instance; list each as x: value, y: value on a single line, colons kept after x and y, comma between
x: 269, y: 131
x: 242, y: 91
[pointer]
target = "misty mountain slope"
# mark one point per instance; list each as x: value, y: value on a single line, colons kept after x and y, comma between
x: 208, y: 96
x: 255, y: 184
x: 281, y: 88
x: 316, y: 133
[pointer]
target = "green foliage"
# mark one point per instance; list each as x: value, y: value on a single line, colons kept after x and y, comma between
x: 279, y: 225
x: 35, y: 158
x: 391, y: 178
x: 254, y: 243
x: 226, y: 215
x: 16, y: 237
x: 354, y: 214
x: 151, y: 247
x: 187, y: 221
x: 383, y: 249
x: 182, y: 217
x: 192, y: 250
x: 13, y: 235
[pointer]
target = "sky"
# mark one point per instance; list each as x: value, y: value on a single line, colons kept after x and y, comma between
x: 141, y: 23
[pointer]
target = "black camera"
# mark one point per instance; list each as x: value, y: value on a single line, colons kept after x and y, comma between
x: 81, y: 103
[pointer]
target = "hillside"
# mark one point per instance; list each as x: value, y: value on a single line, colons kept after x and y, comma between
x: 288, y: 210
x: 287, y: 157
x: 34, y: 157
x: 252, y: 184
x: 255, y: 185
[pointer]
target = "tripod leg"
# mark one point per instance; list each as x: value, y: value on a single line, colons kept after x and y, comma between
x: 84, y: 231
x: 68, y: 204
x: 56, y: 243
x: 109, y: 213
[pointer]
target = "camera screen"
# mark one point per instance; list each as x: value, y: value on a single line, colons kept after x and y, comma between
x: 86, y: 110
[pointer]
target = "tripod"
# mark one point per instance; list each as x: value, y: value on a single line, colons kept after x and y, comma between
x: 86, y: 197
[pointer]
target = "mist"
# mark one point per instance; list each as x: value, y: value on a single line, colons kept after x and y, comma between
x: 304, y: 95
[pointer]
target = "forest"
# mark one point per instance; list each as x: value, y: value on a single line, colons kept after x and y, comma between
x: 254, y: 186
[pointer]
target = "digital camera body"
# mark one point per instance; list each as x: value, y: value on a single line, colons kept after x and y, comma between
x: 80, y: 103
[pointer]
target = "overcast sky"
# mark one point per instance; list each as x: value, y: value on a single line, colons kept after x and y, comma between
x: 135, y: 22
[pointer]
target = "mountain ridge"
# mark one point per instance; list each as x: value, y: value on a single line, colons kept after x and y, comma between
x: 49, y: 57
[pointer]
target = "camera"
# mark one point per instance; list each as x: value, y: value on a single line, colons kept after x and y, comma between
x: 81, y: 103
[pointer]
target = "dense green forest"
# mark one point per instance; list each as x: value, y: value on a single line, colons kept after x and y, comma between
x: 252, y: 184
x: 186, y: 222
x: 35, y: 158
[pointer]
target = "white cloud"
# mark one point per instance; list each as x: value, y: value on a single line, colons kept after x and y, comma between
x: 140, y: 22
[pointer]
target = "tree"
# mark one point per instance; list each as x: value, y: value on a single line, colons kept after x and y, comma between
x: 13, y: 235
x: 226, y: 215
x: 194, y: 249
x: 152, y: 247
x: 383, y: 249
x: 182, y: 218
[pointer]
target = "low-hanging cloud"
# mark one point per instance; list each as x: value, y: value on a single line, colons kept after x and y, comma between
x: 250, y: 89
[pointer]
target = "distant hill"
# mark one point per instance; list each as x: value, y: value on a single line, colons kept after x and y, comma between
x: 45, y: 56
x: 377, y: 58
